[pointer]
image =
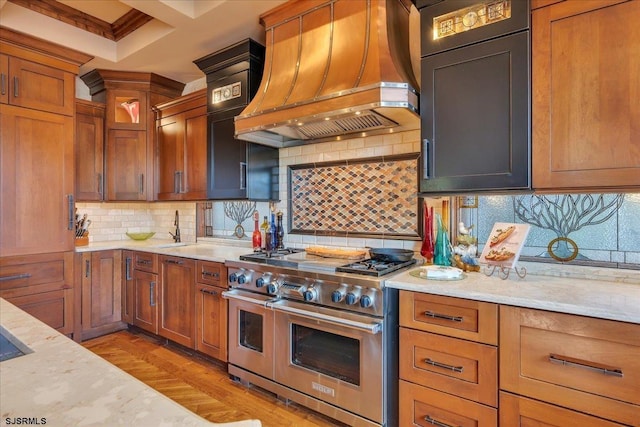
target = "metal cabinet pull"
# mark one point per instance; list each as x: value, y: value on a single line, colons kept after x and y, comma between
x: 591, y: 366
x: 141, y: 183
x: 206, y: 291
x: 435, y: 422
x: 176, y: 177
x: 3, y: 83
x: 243, y: 175
x: 144, y: 262
x: 180, y: 177
x: 71, y: 207
x: 443, y: 316
x: 15, y: 277
x: 425, y: 159
x: 87, y: 268
x: 206, y: 273
x: 457, y: 369
x: 152, y: 300
x: 127, y: 268
x: 173, y: 261
x: 15, y: 87
x: 100, y: 184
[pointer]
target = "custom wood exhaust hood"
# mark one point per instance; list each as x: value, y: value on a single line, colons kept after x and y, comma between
x: 334, y: 69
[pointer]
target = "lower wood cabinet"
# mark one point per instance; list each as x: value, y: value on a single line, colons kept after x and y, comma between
x: 176, y: 314
x: 145, y: 300
x: 41, y: 285
x: 211, y: 310
x: 99, y: 288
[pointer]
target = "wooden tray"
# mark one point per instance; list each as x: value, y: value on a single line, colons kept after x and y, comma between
x: 352, y: 254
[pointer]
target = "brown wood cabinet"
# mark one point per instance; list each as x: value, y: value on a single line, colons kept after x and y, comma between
x: 127, y: 292
x: 444, y: 379
x: 584, y: 364
x: 130, y: 128
x: 176, y: 299
x: 89, y: 151
x: 36, y: 151
x: 41, y: 285
x: 585, y: 95
x: 141, y: 290
x: 100, y: 280
x: 211, y: 309
x: 181, y: 161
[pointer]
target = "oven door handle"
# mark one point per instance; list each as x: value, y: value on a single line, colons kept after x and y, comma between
x: 372, y: 328
x: 235, y: 296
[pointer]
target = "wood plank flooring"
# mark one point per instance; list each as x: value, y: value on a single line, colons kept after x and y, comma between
x: 197, y: 383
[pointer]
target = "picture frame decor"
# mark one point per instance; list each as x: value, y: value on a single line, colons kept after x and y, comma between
x: 467, y: 202
x: 503, y: 247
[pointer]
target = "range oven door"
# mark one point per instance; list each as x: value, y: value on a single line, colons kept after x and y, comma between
x: 333, y: 356
x: 250, y: 332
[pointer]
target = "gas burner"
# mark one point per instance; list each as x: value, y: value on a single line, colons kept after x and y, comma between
x: 264, y: 256
x: 374, y: 267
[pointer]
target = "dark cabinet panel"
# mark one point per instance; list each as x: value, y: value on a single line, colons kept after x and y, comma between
x: 475, y: 117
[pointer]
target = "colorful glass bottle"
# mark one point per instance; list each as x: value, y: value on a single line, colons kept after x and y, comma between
x: 442, y: 249
x: 427, y: 242
x: 256, y: 238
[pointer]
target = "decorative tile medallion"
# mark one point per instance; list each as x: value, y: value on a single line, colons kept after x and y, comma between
x: 368, y: 197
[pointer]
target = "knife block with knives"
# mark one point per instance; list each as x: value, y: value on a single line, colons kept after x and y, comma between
x: 82, y: 230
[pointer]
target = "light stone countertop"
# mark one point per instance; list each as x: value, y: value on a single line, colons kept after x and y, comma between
x: 217, y: 250
x: 68, y: 385
x: 605, y: 293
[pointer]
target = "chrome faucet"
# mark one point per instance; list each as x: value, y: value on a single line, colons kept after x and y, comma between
x: 176, y: 222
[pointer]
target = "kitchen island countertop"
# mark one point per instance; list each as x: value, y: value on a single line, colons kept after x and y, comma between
x: 63, y: 384
x: 605, y: 293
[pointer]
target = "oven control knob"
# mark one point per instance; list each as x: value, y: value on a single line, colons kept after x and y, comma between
x: 309, y: 294
x: 242, y: 279
x: 352, y: 298
x: 272, y: 288
x: 336, y: 296
x: 259, y: 282
x: 366, y: 301
x: 233, y: 277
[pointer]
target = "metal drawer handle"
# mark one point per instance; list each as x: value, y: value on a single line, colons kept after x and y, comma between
x: 443, y: 316
x: 457, y: 369
x: 425, y: 159
x: 15, y: 277
x: 173, y: 261
x: 87, y: 268
x: 141, y: 183
x: 3, y: 85
x: 144, y: 261
x: 437, y: 423
x: 128, y: 268
x: 152, y: 301
x: 206, y: 273
x: 16, y: 92
x: 577, y: 363
x: 206, y: 291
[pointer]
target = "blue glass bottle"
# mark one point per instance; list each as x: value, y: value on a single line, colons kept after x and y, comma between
x: 442, y: 249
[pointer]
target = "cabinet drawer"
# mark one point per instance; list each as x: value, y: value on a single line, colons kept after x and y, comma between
x: 210, y: 273
x: 590, y: 365
x: 456, y: 317
x: 455, y: 366
x: 145, y: 261
x: 422, y: 406
x: 35, y: 273
x: 517, y: 411
x: 55, y: 308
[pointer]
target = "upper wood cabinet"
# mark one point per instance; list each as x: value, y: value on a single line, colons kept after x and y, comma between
x: 89, y: 150
x: 36, y: 148
x: 181, y: 148
x: 130, y: 128
x: 585, y: 95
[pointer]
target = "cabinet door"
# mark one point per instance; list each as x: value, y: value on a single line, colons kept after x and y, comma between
x: 170, y: 161
x: 126, y: 165
x: 4, y: 79
x: 89, y: 151
x: 211, y: 318
x: 194, y: 177
x: 101, y: 293
x: 227, y: 165
x: 36, y: 162
x: 176, y: 296
x: 145, y: 300
x: 586, y: 92
x: 40, y: 87
x: 475, y: 117
x: 127, y: 292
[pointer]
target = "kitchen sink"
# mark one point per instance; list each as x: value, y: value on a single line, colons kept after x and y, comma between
x: 10, y: 346
x: 171, y: 245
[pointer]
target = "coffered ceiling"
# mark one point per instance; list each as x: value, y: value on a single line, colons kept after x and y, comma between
x: 159, y: 36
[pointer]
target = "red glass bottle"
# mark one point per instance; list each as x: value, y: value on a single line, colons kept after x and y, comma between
x: 256, y: 237
x: 427, y: 242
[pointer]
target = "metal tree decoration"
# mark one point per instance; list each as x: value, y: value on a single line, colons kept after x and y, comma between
x: 239, y: 212
x: 564, y: 214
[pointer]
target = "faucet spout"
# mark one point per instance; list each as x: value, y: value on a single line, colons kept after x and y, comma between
x: 176, y: 223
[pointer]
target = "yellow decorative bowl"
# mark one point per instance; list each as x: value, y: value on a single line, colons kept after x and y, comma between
x: 141, y: 236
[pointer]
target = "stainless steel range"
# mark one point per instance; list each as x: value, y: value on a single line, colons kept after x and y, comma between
x: 323, y: 338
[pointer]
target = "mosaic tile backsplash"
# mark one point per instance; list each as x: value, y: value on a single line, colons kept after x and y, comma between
x: 369, y: 197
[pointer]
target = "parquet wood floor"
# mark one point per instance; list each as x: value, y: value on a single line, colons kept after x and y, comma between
x: 199, y: 384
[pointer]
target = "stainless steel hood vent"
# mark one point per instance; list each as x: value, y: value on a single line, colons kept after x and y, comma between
x: 334, y: 69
